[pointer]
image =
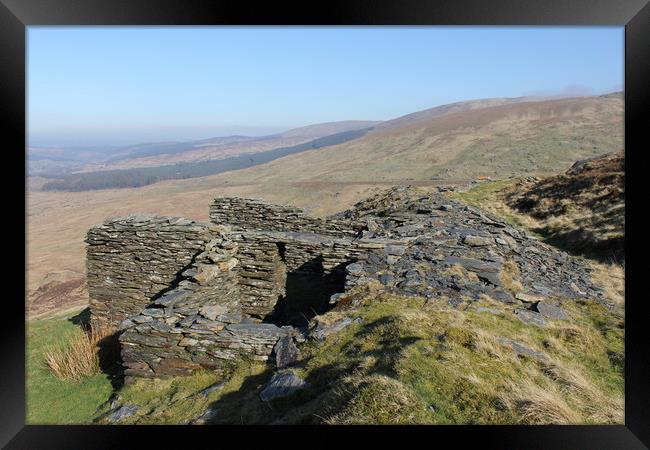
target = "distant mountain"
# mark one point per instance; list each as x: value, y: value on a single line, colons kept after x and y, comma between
x: 489, y: 137
x: 158, y: 154
x: 167, y: 148
x: 511, y: 138
x: 328, y: 128
x: 136, y: 177
x: 427, y: 114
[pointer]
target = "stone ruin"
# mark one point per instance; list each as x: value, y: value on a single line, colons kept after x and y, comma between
x: 186, y: 295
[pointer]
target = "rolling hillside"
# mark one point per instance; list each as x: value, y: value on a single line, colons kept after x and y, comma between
x: 498, y: 141
x: 168, y: 153
x: 328, y: 128
x: 451, y: 108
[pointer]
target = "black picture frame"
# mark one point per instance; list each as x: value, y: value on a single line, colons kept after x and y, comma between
x: 16, y: 15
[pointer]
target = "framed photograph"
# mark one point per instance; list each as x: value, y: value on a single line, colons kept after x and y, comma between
x: 365, y: 217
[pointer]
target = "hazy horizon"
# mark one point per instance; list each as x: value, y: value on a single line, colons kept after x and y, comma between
x: 115, y: 86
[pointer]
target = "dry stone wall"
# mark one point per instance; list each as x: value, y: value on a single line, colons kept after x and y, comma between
x: 213, y: 316
x: 244, y: 214
x: 132, y: 259
x: 200, y: 323
x: 265, y: 259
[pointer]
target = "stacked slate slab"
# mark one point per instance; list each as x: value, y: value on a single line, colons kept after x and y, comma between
x: 265, y: 258
x: 130, y: 260
x: 245, y: 214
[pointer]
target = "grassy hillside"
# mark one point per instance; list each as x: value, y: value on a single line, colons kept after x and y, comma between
x: 407, y: 361
x: 583, y: 209
x: 413, y: 362
x: 108, y: 179
x: 50, y: 400
x: 437, y: 111
x: 497, y: 141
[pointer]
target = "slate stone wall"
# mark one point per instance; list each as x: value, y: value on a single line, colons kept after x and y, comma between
x: 132, y: 259
x: 199, y: 324
x: 244, y: 214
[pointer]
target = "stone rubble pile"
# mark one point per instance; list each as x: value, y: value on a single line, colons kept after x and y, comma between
x: 459, y: 253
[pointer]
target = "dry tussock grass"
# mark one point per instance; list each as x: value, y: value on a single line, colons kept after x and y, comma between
x: 539, y: 405
x: 611, y: 277
x: 378, y: 399
x: 509, y: 276
x: 485, y: 342
x: 461, y: 272
x: 78, y: 359
x: 597, y: 407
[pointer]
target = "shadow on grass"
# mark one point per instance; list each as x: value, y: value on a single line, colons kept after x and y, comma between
x: 82, y: 319
x: 326, y: 394
x: 579, y: 243
x: 110, y: 358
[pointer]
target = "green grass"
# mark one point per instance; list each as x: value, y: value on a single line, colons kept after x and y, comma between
x: 409, y: 361
x: 452, y: 362
x: 413, y: 362
x: 50, y: 400
x: 487, y: 195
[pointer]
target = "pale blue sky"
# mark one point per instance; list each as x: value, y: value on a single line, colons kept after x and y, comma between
x: 118, y: 85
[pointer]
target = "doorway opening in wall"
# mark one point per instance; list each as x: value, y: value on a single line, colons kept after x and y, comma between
x: 307, y: 290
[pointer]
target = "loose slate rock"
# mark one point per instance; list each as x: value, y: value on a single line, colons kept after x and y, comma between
x: 550, y: 311
x: 210, y: 389
x: 502, y: 296
x: 528, y: 298
x: 283, y: 384
x: 521, y: 350
x: 530, y: 317
x: 320, y: 332
x: 495, y: 311
x: 122, y: 413
x: 477, y: 241
x: 206, y: 417
x: 286, y: 352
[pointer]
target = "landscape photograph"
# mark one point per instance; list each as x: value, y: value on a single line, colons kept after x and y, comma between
x: 368, y: 225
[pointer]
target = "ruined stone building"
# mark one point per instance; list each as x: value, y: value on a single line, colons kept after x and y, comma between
x: 186, y: 295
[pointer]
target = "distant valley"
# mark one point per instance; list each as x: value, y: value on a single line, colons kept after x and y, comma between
x: 487, y: 137
x: 55, y: 161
